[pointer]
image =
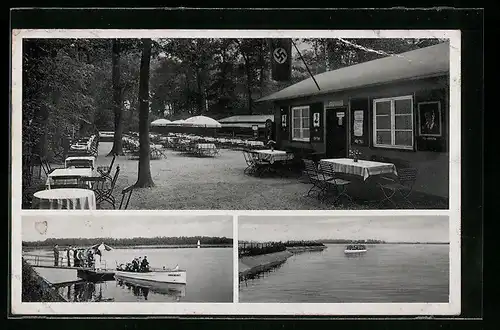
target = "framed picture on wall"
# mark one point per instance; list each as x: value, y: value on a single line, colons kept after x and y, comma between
x: 429, y: 118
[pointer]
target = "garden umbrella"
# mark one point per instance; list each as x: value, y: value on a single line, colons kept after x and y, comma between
x: 101, y: 247
x: 160, y: 122
x: 203, y: 121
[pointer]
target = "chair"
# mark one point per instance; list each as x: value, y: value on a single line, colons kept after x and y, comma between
x: 260, y: 165
x: 403, y: 185
x: 332, y: 183
x: 126, y: 194
x: 106, y: 170
x: 47, y: 168
x: 250, y: 162
x: 311, y: 173
x: 104, y: 191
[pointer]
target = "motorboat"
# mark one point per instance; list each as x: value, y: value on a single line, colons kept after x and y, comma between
x: 355, y: 249
x: 152, y: 276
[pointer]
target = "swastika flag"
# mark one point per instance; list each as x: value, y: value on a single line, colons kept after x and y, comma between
x: 281, y: 59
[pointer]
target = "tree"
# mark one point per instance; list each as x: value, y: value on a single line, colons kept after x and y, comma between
x: 144, y: 177
x: 117, y: 99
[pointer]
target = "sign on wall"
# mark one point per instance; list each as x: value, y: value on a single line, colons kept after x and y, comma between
x: 284, y: 123
x: 316, y: 126
x: 431, y: 134
x: 359, y: 121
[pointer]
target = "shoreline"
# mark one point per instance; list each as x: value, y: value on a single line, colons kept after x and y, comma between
x: 182, y: 246
x: 249, y: 266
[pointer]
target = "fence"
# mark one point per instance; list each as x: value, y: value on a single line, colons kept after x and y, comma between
x: 252, y: 249
x: 62, y: 262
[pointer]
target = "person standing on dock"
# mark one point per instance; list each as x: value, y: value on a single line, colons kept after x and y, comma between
x: 56, y: 255
x: 70, y: 256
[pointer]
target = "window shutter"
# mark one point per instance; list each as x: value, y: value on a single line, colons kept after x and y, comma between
x: 316, y: 124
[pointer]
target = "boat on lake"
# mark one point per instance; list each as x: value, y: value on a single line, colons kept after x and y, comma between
x: 152, y: 276
x: 355, y: 249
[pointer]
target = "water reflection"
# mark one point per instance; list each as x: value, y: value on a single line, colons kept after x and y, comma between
x: 174, y: 290
x: 84, y: 292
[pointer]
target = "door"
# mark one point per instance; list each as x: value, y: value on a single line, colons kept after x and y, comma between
x: 336, y: 132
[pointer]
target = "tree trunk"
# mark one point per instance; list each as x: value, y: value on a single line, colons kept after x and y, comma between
x: 144, y: 177
x: 117, y: 100
x: 201, y: 93
x: 249, y: 90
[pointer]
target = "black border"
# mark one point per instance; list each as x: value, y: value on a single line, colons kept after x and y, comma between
x: 469, y: 21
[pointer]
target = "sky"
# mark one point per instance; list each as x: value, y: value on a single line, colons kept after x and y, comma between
x: 41, y: 227
x: 390, y: 229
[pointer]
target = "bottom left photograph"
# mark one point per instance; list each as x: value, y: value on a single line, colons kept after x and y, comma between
x: 155, y: 258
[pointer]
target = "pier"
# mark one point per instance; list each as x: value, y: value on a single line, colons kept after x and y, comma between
x: 62, y: 274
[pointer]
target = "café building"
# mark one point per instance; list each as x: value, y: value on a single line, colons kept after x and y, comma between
x: 392, y: 109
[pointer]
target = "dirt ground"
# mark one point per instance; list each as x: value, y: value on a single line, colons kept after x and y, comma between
x: 185, y: 182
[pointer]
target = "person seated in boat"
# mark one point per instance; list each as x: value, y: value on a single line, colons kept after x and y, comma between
x: 135, y: 265
x: 145, y: 265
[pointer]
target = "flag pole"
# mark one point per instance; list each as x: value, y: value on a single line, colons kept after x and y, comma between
x: 307, y: 67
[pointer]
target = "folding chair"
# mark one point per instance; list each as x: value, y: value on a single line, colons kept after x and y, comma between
x: 260, y: 165
x: 126, y: 194
x: 250, y: 163
x: 106, y: 170
x: 403, y: 185
x: 104, y: 191
x: 332, y: 183
x: 47, y: 168
x: 311, y: 173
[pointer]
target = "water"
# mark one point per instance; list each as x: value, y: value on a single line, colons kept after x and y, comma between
x: 386, y: 273
x: 209, y: 277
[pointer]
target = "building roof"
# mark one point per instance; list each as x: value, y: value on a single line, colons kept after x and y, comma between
x: 419, y: 63
x: 246, y: 119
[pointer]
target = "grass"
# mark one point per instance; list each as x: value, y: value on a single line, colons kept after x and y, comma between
x: 185, y: 182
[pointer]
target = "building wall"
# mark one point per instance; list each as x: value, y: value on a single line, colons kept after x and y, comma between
x: 433, y: 166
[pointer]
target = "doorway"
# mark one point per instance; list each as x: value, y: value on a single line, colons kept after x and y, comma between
x: 336, y: 132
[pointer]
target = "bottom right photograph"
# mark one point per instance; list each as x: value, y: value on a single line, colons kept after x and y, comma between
x: 344, y: 259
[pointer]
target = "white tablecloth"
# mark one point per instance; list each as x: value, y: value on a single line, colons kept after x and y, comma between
x: 255, y: 143
x: 274, y: 155
x: 91, y: 159
x: 205, y: 146
x: 65, y: 199
x: 84, y: 172
x: 363, y: 168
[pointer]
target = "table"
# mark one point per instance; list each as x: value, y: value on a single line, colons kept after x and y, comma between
x: 255, y: 143
x: 206, y: 148
x: 79, y: 159
x: 65, y: 199
x: 273, y: 155
x: 363, y: 168
x: 84, y: 172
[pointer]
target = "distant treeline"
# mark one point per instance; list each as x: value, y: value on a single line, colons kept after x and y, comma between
x: 303, y: 243
x: 182, y: 240
x: 253, y: 249
x: 352, y: 241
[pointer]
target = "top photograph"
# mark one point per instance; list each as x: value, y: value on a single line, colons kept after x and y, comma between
x: 235, y: 123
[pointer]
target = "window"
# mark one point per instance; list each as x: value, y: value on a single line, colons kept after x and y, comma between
x: 393, y: 122
x: 300, y: 123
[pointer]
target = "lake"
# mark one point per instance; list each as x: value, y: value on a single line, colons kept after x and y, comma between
x: 386, y: 273
x: 209, y: 276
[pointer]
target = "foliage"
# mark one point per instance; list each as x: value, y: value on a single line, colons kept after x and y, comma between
x: 67, y: 83
x: 135, y: 241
